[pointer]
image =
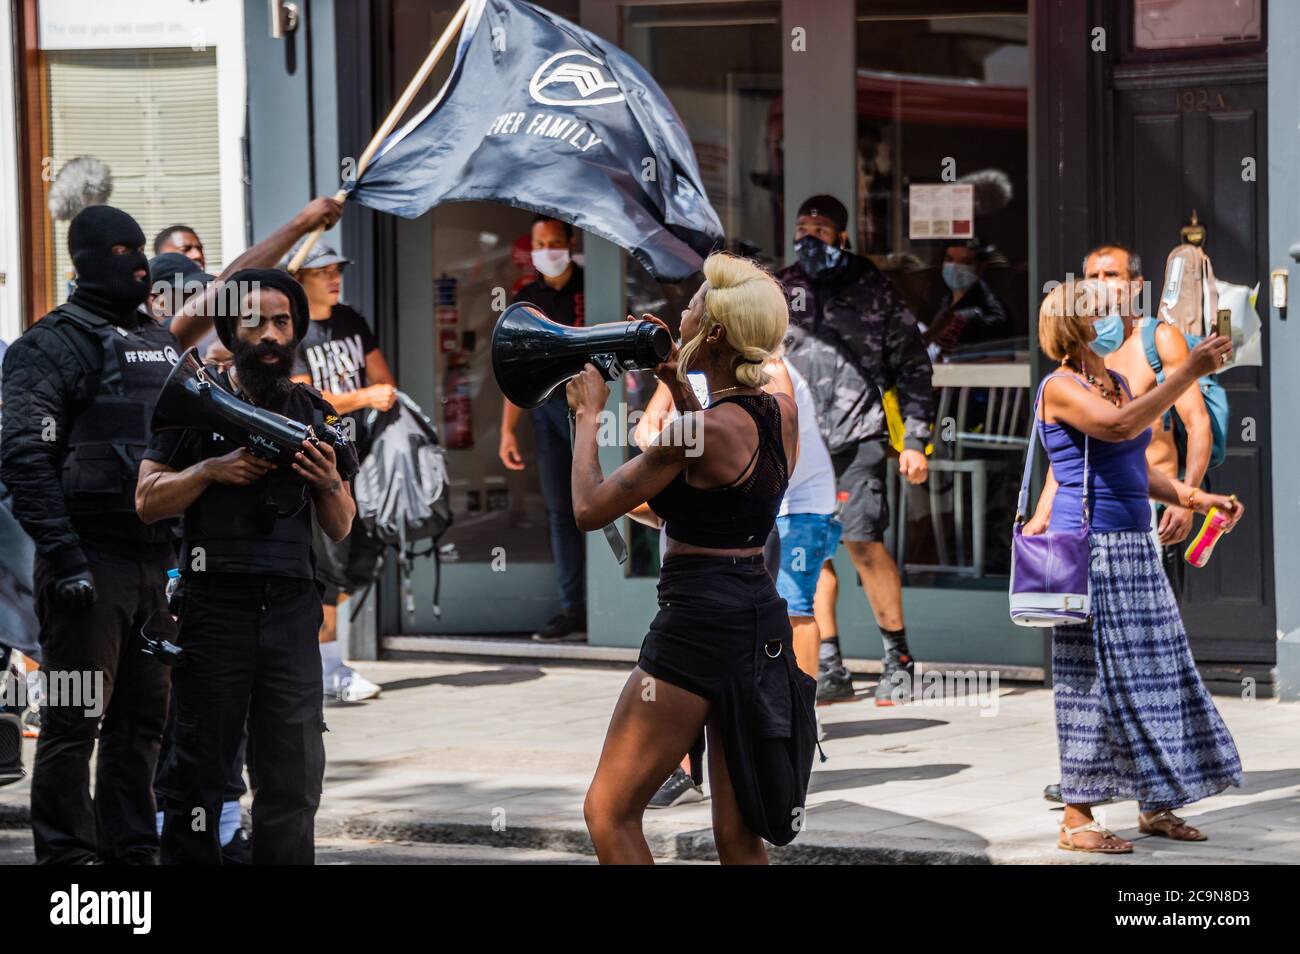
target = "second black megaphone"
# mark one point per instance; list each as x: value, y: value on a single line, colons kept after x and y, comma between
x: 192, y: 397
x: 532, y: 355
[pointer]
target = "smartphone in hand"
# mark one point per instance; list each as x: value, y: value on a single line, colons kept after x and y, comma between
x: 1223, y: 323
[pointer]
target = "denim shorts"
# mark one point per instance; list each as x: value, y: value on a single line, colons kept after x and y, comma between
x: 807, y: 541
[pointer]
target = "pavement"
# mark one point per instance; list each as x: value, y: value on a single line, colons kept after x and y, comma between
x: 496, y: 757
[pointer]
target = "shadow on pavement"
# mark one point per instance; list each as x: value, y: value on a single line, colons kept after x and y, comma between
x: 508, y: 676
x: 849, y: 730
x: 837, y: 779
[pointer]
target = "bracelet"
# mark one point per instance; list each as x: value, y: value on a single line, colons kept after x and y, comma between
x: 1191, y: 498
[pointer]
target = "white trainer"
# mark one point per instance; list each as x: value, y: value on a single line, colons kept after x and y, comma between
x: 348, y: 685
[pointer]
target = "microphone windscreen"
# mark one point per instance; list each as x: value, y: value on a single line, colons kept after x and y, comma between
x: 82, y: 182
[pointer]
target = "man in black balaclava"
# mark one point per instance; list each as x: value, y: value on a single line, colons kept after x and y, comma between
x: 80, y: 387
x: 852, y: 338
x: 250, y: 608
x: 107, y: 249
x: 82, y: 384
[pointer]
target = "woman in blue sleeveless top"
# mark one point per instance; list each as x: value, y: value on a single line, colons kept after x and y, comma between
x: 1133, y: 719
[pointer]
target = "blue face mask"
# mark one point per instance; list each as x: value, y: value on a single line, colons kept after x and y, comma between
x: 958, y: 277
x: 1110, y: 334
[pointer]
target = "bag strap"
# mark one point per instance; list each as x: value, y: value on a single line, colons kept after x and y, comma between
x: 1022, y: 499
x: 1150, y: 349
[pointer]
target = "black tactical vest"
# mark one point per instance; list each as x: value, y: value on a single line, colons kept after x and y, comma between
x: 263, y: 529
x: 108, y: 437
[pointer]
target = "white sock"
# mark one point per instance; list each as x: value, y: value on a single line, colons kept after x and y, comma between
x: 330, y: 658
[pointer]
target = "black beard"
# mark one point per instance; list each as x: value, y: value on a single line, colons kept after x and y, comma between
x: 266, y: 384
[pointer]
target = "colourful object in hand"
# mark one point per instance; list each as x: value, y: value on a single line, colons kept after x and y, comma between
x: 897, y: 427
x: 1202, y: 545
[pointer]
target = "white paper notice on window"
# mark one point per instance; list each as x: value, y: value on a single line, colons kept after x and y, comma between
x: 943, y: 211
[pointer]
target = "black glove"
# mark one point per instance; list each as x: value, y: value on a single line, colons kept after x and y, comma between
x: 75, y: 590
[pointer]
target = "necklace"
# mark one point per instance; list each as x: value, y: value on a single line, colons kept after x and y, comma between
x: 713, y: 394
x: 1111, y: 394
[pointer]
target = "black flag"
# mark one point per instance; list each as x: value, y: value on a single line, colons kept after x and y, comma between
x: 540, y: 114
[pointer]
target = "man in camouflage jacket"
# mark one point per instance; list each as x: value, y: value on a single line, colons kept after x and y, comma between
x: 852, y: 339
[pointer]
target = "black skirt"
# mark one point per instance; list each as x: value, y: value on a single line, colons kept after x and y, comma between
x: 723, y: 633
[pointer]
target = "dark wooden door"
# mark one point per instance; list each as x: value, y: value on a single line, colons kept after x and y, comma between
x: 1194, y: 136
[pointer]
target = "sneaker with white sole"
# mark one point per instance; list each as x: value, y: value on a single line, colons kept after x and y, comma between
x: 678, y: 789
x: 347, y: 685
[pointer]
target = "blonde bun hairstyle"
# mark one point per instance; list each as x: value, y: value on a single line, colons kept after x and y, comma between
x: 748, y: 302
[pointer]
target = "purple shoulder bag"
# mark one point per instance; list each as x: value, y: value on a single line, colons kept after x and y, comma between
x: 1049, y: 571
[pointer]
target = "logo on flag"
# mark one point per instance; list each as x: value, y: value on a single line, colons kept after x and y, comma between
x: 582, y: 71
x: 513, y: 129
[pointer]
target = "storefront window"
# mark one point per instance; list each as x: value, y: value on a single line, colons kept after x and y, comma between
x: 942, y: 118
x: 481, y: 253
x: 481, y: 260
x: 150, y: 116
x: 720, y: 66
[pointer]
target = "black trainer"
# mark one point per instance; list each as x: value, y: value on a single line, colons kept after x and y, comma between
x: 895, y: 686
x: 564, y: 627
x: 679, y: 789
x: 239, y: 850
x: 834, y: 685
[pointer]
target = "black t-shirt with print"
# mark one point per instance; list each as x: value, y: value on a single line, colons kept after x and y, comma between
x: 333, y: 353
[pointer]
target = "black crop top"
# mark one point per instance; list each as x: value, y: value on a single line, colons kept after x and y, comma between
x: 741, y: 513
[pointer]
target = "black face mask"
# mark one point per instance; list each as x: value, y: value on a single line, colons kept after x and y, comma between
x: 106, y: 279
x: 266, y: 383
x: 818, y: 259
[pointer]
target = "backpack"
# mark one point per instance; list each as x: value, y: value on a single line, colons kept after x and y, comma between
x: 402, y: 490
x: 19, y: 628
x: 1212, y: 392
x: 1189, y: 299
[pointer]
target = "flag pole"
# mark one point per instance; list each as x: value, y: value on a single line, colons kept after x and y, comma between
x: 394, y: 114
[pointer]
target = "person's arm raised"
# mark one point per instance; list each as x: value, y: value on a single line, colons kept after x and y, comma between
x: 656, y: 412
x: 194, y: 320
x: 599, y: 500
x: 1080, y: 408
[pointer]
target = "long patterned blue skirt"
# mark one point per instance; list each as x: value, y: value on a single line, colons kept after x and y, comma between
x: 1133, y: 719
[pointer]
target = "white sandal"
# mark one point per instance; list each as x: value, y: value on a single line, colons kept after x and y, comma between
x: 1094, y: 825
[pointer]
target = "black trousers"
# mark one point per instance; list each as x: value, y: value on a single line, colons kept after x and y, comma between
x: 250, y: 646
x: 118, y: 826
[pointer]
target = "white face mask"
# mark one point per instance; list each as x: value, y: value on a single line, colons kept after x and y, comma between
x: 551, y: 262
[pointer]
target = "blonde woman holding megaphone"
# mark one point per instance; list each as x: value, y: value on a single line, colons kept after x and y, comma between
x: 719, y: 652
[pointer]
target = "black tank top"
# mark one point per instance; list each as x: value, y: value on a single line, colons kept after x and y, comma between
x: 741, y: 513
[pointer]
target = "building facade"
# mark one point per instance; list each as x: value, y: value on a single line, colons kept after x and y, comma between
x: 1024, y: 131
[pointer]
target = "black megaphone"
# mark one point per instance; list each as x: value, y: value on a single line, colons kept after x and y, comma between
x: 532, y: 355
x: 192, y: 397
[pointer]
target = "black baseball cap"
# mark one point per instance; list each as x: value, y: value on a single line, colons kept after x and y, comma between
x: 175, y: 274
x: 827, y: 206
